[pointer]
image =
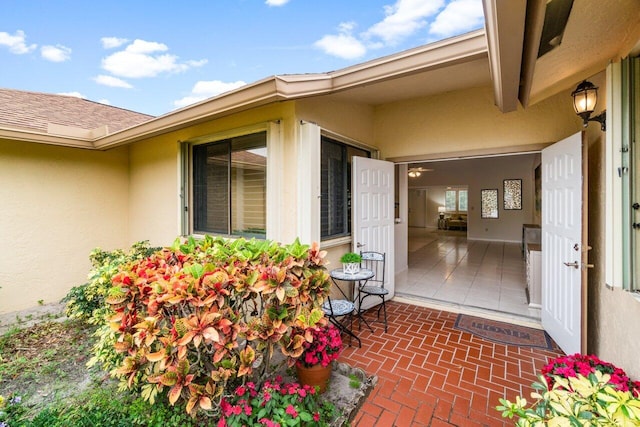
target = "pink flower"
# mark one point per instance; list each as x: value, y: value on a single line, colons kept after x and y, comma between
x: 291, y: 411
x: 316, y: 416
x: 240, y: 391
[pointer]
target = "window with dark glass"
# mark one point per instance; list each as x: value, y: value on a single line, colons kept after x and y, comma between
x: 229, y: 186
x: 335, y: 204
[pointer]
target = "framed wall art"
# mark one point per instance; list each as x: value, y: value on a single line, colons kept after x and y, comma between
x: 489, y: 203
x: 512, y: 194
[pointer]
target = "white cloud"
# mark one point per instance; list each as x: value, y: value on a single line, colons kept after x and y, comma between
x: 206, y: 89
x: 343, y: 45
x: 57, y: 53
x: 74, y: 94
x: 143, y: 59
x: 458, y: 17
x: 111, y: 81
x: 403, y: 19
x: 105, y: 102
x: 112, y: 42
x: 276, y: 2
x: 16, y: 43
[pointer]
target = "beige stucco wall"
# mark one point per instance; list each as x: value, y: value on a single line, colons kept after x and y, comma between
x: 464, y: 121
x: 611, y: 312
x: 56, y: 205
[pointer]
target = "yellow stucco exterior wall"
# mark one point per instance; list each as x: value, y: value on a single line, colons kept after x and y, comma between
x: 464, y: 121
x: 56, y: 205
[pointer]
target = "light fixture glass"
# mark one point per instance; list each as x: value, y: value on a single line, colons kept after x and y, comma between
x: 414, y: 174
x: 585, y: 98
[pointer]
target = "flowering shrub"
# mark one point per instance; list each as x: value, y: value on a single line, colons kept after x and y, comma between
x: 575, y: 401
x: 578, y: 364
x: 275, y: 404
x: 195, y: 319
x: 322, y: 346
x: 10, y: 410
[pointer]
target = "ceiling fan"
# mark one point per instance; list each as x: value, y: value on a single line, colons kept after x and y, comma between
x: 417, y: 171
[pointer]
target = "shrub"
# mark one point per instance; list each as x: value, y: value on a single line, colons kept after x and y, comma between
x: 202, y: 316
x: 351, y: 257
x: 585, y: 364
x: 275, y: 404
x: 86, y: 302
x: 577, y: 390
x: 575, y: 401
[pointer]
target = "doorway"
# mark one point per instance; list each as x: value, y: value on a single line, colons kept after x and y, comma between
x: 475, y: 262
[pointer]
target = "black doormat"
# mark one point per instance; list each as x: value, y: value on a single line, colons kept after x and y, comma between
x: 504, y: 333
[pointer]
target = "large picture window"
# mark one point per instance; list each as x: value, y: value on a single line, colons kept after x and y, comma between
x: 229, y: 186
x: 335, y: 172
x: 455, y: 200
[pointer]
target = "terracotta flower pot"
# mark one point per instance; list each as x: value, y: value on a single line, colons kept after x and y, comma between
x: 316, y: 375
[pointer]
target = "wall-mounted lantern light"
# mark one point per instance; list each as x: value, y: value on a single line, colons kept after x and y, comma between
x: 585, y: 98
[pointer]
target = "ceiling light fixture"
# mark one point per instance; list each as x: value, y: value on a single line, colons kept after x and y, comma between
x: 414, y: 174
x: 585, y: 98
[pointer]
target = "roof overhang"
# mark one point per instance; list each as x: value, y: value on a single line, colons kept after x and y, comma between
x: 374, y: 82
x: 505, y: 26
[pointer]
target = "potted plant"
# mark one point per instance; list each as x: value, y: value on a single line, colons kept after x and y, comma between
x: 322, y: 346
x: 351, y: 262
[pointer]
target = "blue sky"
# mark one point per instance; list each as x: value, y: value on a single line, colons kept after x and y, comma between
x: 156, y: 56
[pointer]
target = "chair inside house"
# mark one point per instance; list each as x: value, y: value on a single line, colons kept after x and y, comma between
x: 374, y: 261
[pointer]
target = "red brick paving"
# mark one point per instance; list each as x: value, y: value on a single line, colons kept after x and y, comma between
x: 430, y: 374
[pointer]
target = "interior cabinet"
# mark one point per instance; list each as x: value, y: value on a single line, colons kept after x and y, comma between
x: 534, y: 274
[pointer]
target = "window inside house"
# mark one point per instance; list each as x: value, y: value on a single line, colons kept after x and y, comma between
x: 230, y: 186
x: 455, y: 200
x: 335, y: 175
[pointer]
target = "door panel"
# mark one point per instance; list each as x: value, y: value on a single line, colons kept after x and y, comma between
x: 373, y: 213
x: 562, y: 286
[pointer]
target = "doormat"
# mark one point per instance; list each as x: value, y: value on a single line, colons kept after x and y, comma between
x: 504, y: 333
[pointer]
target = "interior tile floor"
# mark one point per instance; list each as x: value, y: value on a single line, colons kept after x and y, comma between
x: 446, y: 268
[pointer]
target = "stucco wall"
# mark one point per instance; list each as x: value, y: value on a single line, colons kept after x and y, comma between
x: 155, y: 174
x: 610, y: 311
x: 57, y: 204
x: 468, y: 120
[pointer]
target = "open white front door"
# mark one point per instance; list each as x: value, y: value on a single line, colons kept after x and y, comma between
x: 372, y: 195
x: 562, y: 287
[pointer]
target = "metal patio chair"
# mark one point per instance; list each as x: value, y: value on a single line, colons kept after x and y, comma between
x: 374, y: 261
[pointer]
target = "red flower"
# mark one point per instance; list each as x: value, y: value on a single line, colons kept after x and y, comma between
x: 291, y: 411
x: 325, y: 347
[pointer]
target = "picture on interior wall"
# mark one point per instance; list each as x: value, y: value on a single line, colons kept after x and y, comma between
x: 512, y: 194
x: 489, y: 204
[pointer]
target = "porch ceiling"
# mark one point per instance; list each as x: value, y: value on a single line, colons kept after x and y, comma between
x: 597, y: 32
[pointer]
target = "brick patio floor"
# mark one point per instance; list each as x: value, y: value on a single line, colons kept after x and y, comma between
x: 430, y: 374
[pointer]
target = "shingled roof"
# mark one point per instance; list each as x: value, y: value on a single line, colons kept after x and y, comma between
x: 35, y: 111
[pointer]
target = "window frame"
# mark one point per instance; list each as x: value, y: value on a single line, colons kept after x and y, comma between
x: 188, y: 178
x: 345, y: 145
x: 457, y: 199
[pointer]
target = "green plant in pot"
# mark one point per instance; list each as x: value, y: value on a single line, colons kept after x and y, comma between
x: 351, y: 262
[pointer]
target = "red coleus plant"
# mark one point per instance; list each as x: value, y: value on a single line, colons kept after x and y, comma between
x: 193, y: 318
x: 583, y: 364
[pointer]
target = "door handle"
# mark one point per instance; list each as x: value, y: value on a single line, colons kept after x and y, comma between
x: 573, y: 264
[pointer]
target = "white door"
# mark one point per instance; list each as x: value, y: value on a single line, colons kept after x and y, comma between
x: 372, y: 195
x: 562, y: 287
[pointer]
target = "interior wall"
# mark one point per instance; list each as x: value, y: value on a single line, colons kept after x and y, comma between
x: 487, y: 173
x: 58, y: 204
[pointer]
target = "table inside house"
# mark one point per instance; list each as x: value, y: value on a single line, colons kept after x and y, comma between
x: 355, y: 280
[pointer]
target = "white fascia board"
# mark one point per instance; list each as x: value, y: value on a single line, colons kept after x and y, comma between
x: 44, y: 138
x: 505, y: 23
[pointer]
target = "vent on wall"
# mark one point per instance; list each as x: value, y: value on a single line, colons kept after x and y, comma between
x: 556, y: 16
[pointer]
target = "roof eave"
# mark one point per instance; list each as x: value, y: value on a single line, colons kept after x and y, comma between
x: 505, y: 24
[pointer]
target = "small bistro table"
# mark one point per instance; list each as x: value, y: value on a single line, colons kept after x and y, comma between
x: 347, y: 306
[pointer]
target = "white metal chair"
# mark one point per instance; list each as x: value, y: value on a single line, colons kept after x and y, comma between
x: 374, y: 261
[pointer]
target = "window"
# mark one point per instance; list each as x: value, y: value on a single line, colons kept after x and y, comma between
x: 455, y: 200
x: 229, y: 186
x: 335, y: 175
